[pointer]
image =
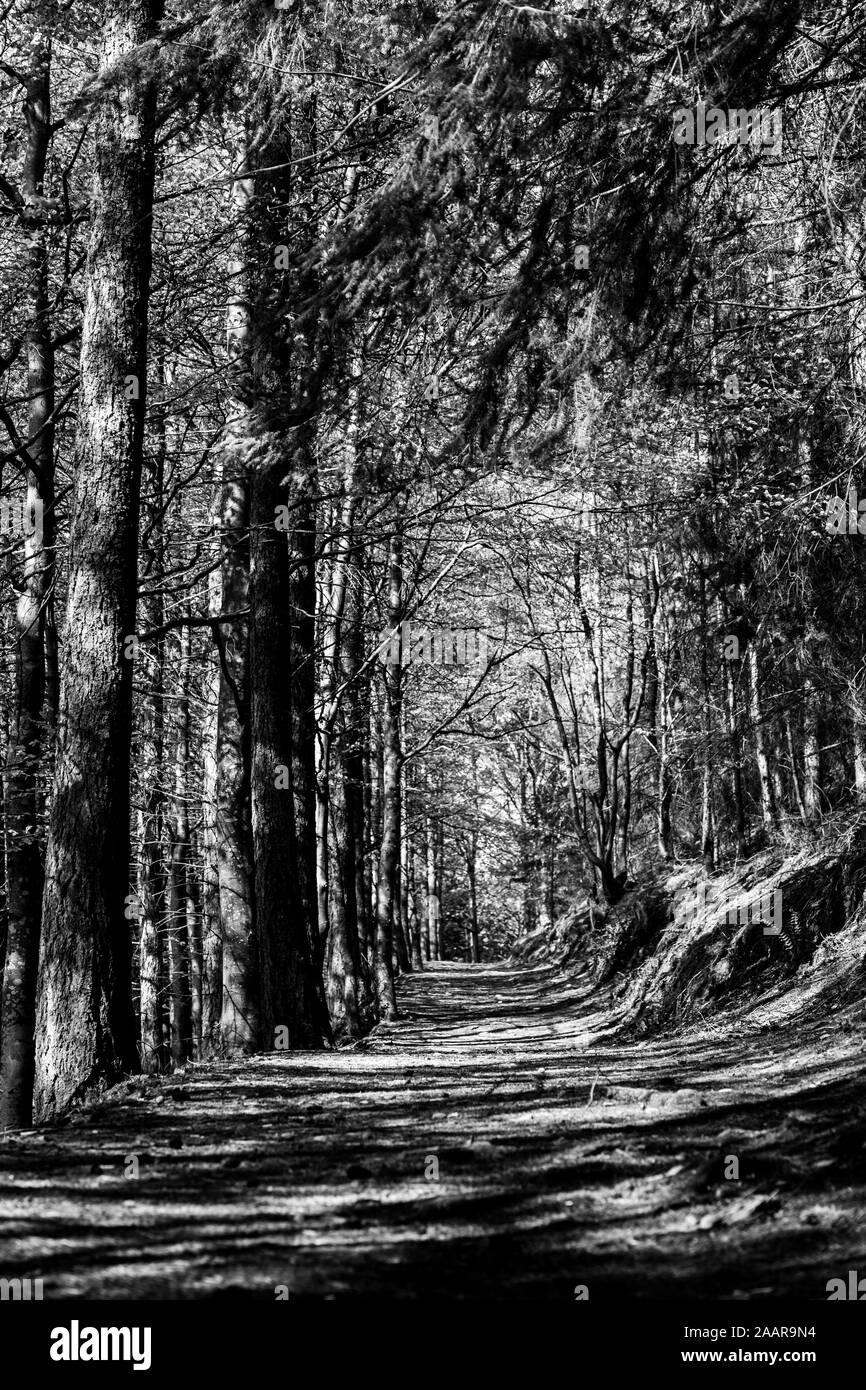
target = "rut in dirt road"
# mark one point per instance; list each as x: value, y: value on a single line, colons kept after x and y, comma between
x: 497, y: 1139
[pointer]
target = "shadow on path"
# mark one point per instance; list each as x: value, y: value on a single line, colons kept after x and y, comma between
x: 497, y: 1140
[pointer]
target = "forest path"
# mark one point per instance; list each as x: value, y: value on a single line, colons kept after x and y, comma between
x: 565, y: 1157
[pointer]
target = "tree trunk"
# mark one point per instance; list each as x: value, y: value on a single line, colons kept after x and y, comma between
x: 239, y: 1023
x: 285, y: 901
x: 176, y: 933
x: 388, y: 863
x: 239, y: 1014
x: 474, y: 945
x: 768, y: 807
x: 355, y: 745
x: 735, y: 741
x: 151, y: 867
x: 26, y: 751
x: 302, y: 606
x: 624, y: 817
x: 375, y: 778
x: 212, y: 952
x: 708, y: 838
x: 85, y: 1029
x: 356, y: 798
x: 439, y: 866
x: 664, y: 827
x: 657, y: 713
x: 194, y: 939
x: 400, y: 915
x: 283, y: 399
x: 414, y: 919
x: 432, y: 917
x: 389, y: 855
x: 811, y: 738
x: 338, y: 766
x: 343, y: 974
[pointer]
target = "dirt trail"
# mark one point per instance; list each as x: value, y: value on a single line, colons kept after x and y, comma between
x: 564, y: 1157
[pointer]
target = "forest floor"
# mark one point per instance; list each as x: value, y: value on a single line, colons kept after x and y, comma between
x: 501, y: 1138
